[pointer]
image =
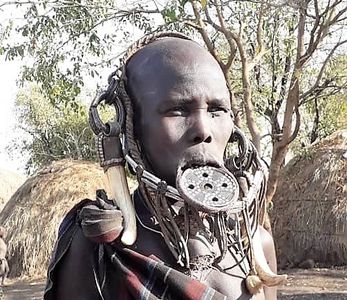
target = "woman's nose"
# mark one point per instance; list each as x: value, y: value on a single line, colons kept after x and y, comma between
x: 200, y: 131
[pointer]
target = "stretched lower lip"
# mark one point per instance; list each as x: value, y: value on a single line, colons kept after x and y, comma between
x: 199, y: 163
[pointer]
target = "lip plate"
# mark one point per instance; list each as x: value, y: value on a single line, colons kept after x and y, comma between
x: 208, y: 188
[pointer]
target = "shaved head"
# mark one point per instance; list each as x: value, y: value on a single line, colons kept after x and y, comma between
x: 148, y: 70
x: 181, y: 104
x: 170, y: 53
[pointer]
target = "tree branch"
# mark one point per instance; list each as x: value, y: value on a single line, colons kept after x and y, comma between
x: 121, y: 14
x: 297, y: 124
x: 321, y: 29
x: 321, y: 72
x: 222, y: 29
x: 260, y: 51
x: 203, y: 32
x: 247, y: 89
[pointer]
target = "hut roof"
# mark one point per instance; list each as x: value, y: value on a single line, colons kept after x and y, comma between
x: 309, y: 218
x: 34, y: 212
x: 9, y: 183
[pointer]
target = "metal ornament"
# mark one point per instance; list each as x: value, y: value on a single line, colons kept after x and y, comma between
x: 208, y: 188
x: 110, y: 97
x: 111, y: 156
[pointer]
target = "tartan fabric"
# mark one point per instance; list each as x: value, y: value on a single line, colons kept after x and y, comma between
x: 138, y: 276
x: 148, y: 278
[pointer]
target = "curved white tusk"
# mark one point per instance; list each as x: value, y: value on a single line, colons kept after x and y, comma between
x: 262, y: 268
x: 120, y: 193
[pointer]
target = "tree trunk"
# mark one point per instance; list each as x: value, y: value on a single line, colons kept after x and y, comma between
x: 249, y: 110
x: 280, y: 146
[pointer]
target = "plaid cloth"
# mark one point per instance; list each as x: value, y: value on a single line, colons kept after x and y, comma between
x: 138, y: 276
x: 148, y: 278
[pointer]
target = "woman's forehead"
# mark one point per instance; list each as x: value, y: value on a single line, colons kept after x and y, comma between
x: 181, y: 84
x: 156, y: 71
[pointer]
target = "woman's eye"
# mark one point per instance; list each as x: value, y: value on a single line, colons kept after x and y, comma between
x: 178, y: 111
x: 217, y: 110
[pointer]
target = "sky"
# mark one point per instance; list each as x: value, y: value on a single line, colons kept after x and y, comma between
x: 9, y: 75
x: 9, y: 72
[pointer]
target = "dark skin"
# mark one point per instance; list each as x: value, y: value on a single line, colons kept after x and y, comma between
x: 183, y: 114
x: 184, y: 106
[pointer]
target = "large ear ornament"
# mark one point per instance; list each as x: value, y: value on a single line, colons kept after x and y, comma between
x: 246, y: 150
x: 113, y: 163
x: 110, y: 97
x: 111, y: 159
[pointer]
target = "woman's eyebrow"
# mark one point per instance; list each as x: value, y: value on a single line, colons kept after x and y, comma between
x: 219, y: 101
x: 184, y: 101
x: 177, y: 101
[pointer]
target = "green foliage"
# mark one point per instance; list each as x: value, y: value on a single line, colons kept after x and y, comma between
x: 332, y: 117
x: 333, y: 114
x: 304, y: 153
x: 69, y: 41
x: 72, y: 40
x: 174, y: 13
x: 329, y: 104
x: 56, y: 131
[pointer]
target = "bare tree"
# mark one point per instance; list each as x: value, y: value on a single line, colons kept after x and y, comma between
x: 310, y: 21
x: 264, y: 47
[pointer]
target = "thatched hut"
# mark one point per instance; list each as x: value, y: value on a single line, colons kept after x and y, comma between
x: 34, y: 212
x: 9, y: 183
x: 309, y: 218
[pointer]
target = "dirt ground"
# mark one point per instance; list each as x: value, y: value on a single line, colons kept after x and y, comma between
x: 315, y: 284
x: 23, y: 289
x: 311, y: 284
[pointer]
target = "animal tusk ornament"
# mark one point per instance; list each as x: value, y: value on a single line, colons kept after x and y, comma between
x: 119, y: 192
x: 112, y: 161
x: 262, y: 274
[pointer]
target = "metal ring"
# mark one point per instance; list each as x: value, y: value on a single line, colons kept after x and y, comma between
x: 95, y: 121
x: 247, y: 151
x: 110, y: 96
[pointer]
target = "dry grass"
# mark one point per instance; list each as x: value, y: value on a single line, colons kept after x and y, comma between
x: 9, y: 183
x: 310, y: 205
x: 34, y: 212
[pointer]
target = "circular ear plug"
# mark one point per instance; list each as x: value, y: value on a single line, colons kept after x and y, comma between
x: 208, y: 188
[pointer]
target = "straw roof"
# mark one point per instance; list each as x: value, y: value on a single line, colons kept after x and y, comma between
x: 9, y: 183
x: 35, y: 211
x: 309, y: 218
